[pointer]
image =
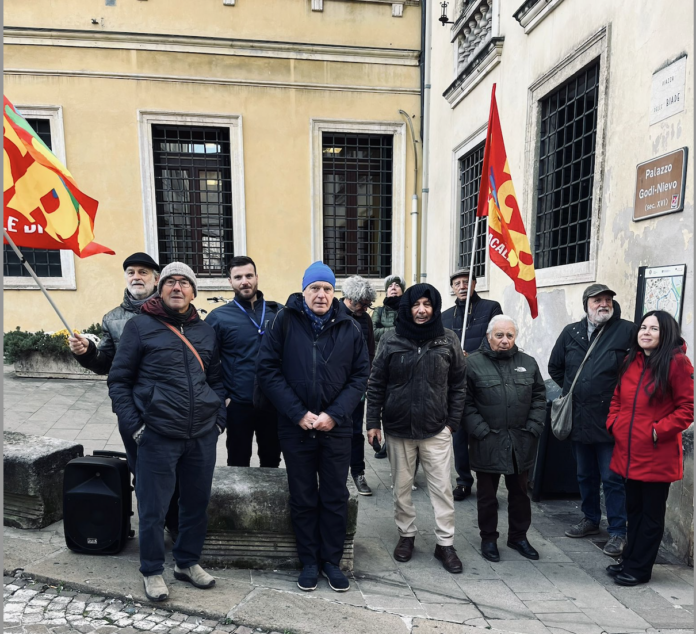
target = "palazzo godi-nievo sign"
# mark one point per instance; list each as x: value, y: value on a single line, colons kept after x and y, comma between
x: 660, y: 185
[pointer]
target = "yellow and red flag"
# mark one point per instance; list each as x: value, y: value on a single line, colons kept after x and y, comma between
x: 507, y: 239
x: 43, y: 206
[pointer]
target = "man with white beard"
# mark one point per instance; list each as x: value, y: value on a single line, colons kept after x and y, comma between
x: 592, y: 444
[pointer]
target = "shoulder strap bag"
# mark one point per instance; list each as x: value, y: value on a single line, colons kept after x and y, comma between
x: 562, y: 407
x: 186, y: 341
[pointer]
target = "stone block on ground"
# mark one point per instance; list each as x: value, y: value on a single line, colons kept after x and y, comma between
x: 33, y: 468
x: 249, y: 523
x: 36, y: 365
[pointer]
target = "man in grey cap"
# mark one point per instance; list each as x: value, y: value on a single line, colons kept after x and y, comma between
x: 481, y: 311
x: 592, y: 445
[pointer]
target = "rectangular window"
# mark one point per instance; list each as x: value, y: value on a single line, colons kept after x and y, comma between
x: 193, y: 193
x: 470, y: 166
x: 357, y: 176
x: 45, y: 262
x: 567, y: 140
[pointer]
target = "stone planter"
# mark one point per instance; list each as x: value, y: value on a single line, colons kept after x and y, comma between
x: 36, y: 365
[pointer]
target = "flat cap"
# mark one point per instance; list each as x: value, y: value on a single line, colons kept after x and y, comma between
x: 141, y: 258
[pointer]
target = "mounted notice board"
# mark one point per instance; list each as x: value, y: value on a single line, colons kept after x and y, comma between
x: 661, y: 288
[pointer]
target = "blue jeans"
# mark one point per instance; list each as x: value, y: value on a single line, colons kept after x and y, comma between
x: 593, y: 467
x: 160, y: 460
x: 460, y: 445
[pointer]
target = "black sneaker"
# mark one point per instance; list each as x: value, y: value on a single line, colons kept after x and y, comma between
x: 361, y: 484
x: 308, y: 578
x: 461, y: 492
x: 337, y: 580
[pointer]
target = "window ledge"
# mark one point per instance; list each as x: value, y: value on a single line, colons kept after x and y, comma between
x: 484, y: 61
x: 28, y: 284
x: 578, y: 273
x: 213, y: 284
x: 532, y: 12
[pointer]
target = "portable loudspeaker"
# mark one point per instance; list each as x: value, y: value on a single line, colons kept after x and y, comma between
x: 97, y: 503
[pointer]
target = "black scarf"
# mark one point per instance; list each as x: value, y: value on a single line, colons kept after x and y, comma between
x: 393, y: 302
x: 406, y: 327
x: 156, y: 307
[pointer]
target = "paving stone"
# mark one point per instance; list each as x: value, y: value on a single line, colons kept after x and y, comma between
x: 178, y: 630
x: 242, y: 629
x: 36, y: 628
x: 33, y: 618
x: 178, y: 616
x: 144, y: 625
x: 84, y: 598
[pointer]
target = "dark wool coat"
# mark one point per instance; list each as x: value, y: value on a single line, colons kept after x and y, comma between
x: 505, y: 409
x: 632, y: 418
x: 156, y: 380
x: 595, y: 387
x: 416, y: 388
x: 299, y: 373
x: 481, y: 311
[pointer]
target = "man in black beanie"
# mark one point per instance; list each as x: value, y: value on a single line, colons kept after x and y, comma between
x: 417, y: 390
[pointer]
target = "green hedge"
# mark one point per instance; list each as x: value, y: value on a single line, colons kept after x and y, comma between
x: 18, y: 343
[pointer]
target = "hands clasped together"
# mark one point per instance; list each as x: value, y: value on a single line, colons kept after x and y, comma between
x: 322, y: 422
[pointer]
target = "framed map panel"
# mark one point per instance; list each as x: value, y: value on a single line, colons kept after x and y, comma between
x: 661, y: 288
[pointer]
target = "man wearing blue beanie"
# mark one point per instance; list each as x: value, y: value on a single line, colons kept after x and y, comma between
x: 313, y: 366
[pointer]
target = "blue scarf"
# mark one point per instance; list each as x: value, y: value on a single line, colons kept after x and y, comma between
x: 318, y: 322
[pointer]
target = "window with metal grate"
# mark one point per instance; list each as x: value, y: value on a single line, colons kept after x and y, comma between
x: 470, y: 166
x: 568, y: 131
x: 193, y: 192
x: 357, y: 188
x: 45, y: 262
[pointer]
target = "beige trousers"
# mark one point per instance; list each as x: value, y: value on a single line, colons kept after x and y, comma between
x: 436, y: 461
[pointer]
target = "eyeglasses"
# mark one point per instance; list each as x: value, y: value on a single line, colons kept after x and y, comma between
x: 170, y: 282
x: 364, y: 305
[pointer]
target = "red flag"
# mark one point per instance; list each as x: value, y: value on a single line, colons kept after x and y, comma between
x: 43, y: 206
x: 507, y: 239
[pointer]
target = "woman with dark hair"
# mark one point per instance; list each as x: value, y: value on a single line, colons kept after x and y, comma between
x: 653, y: 403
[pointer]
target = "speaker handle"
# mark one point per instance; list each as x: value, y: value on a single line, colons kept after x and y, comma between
x: 109, y: 454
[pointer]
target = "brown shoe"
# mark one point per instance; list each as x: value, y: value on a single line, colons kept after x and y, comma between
x: 404, y: 549
x: 448, y: 556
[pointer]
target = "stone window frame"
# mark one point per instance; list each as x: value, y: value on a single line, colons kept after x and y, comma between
x: 398, y: 130
x: 593, y: 48
x: 146, y: 118
x: 466, y: 146
x: 532, y: 12
x: 66, y: 282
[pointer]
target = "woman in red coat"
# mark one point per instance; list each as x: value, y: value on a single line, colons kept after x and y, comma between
x: 653, y: 403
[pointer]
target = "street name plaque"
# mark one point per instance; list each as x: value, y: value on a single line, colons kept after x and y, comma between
x: 667, y: 96
x: 660, y: 185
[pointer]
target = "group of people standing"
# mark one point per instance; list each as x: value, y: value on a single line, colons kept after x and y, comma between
x: 304, y: 377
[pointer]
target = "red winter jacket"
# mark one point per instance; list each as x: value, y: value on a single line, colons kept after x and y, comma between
x: 632, y: 418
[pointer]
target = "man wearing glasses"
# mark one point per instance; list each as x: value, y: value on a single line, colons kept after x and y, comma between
x: 166, y: 388
x: 358, y: 296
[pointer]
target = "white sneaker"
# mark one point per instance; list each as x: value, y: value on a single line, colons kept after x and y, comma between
x: 155, y: 588
x: 195, y: 575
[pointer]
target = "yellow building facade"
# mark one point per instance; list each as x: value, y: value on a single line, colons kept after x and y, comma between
x: 219, y: 128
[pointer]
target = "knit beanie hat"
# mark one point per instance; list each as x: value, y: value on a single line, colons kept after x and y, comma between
x: 395, y: 278
x: 318, y: 272
x: 178, y: 268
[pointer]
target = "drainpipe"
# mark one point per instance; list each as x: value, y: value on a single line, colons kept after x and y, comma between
x: 426, y: 17
x: 414, y: 201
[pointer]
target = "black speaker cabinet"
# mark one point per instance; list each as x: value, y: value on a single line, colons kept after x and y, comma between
x: 97, y: 503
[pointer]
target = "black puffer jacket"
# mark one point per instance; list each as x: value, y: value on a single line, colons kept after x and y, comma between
x: 156, y: 380
x: 99, y: 358
x: 416, y: 388
x: 301, y: 374
x: 505, y: 409
x: 481, y: 311
x: 595, y: 388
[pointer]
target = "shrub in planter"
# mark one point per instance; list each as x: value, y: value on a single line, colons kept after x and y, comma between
x: 19, y: 343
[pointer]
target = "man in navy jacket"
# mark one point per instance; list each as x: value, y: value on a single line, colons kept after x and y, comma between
x: 313, y: 366
x: 481, y: 311
x: 166, y: 388
x: 240, y: 326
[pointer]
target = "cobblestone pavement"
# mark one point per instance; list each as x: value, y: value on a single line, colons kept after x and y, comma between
x: 35, y: 608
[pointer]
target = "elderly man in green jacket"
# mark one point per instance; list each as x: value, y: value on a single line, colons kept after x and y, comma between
x: 504, y: 415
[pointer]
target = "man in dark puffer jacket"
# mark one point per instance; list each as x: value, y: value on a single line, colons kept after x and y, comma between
x: 416, y: 391
x: 166, y: 388
x: 504, y: 415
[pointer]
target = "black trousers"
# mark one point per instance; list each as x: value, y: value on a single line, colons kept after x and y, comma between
x: 317, y: 465
x: 243, y: 421
x: 646, y: 504
x: 357, y: 443
x: 519, y: 506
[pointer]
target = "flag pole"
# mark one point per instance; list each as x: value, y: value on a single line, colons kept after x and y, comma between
x: 471, y: 271
x: 36, y: 279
